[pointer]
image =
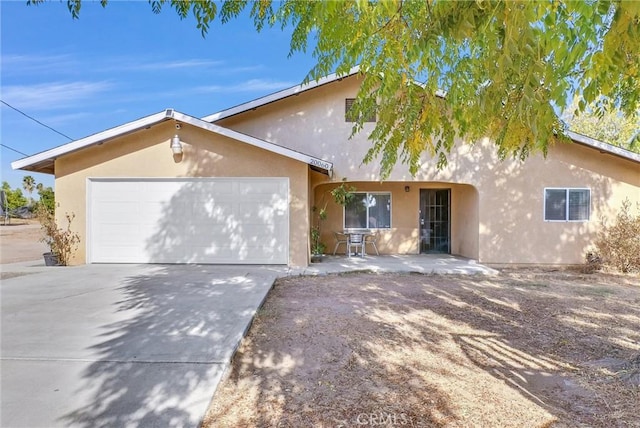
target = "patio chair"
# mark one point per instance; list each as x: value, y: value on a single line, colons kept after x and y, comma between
x: 356, y: 240
x: 370, y: 239
x: 341, y: 238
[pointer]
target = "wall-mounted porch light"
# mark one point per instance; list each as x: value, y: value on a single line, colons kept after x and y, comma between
x: 176, y: 145
x: 407, y: 188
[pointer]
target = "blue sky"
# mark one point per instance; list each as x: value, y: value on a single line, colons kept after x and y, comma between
x: 122, y: 62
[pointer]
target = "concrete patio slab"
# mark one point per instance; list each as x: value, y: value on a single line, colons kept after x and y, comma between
x: 441, y: 264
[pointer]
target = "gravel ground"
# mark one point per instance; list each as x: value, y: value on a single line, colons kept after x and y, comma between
x: 526, y: 348
x: 20, y: 241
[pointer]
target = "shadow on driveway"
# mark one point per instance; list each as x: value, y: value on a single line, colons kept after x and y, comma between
x: 116, y: 345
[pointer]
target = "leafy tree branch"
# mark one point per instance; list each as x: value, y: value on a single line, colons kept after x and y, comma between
x: 436, y: 72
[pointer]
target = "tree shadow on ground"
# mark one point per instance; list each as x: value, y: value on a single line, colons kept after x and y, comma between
x: 439, y: 351
x: 158, y: 364
x: 290, y: 376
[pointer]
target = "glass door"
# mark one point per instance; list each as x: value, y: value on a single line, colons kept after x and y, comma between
x: 435, y: 227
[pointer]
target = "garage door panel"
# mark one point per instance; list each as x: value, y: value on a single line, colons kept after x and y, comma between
x: 120, y: 191
x: 216, y: 220
x: 213, y: 213
x: 111, y: 232
x: 115, y: 209
x: 258, y: 188
x: 259, y: 213
x: 116, y: 253
x: 260, y: 232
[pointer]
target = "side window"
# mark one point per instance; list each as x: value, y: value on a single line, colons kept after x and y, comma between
x: 566, y: 204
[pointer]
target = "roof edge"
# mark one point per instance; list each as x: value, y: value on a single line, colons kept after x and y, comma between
x: 602, y: 146
x: 256, y: 142
x: 118, y: 131
x: 276, y: 96
x: 47, y: 157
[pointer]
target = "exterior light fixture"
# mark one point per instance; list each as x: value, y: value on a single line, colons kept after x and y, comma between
x: 176, y: 145
x: 407, y: 188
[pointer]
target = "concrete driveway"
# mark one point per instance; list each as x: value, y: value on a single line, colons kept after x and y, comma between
x: 122, y: 345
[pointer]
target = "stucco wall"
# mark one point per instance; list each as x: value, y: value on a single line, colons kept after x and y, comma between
x: 512, y: 226
x: 147, y: 154
x: 507, y: 227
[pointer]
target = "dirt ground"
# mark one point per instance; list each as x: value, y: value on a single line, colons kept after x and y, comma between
x: 20, y: 241
x: 527, y: 348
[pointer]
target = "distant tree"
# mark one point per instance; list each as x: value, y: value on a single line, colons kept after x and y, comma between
x: 47, y: 197
x: 604, y: 122
x: 15, y: 198
x: 28, y: 183
x: 435, y: 70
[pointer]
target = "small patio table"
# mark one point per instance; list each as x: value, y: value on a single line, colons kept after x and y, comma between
x: 357, y: 239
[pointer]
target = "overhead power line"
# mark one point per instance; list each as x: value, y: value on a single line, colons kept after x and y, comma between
x: 35, y: 120
x: 11, y: 148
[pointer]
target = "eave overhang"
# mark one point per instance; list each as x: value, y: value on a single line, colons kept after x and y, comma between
x: 45, y: 161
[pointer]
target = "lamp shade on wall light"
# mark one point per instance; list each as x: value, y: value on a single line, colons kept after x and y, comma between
x: 176, y: 145
x: 407, y: 188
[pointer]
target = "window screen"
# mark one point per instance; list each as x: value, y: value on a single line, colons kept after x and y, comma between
x: 555, y: 204
x: 579, y: 204
x: 567, y: 204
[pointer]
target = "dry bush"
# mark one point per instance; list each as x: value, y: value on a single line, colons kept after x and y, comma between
x: 62, y: 242
x: 618, y: 245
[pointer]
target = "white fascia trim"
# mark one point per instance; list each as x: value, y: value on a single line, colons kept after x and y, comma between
x: 93, y: 139
x: 253, y: 141
x: 168, y: 114
x: 278, y: 95
x: 601, y: 145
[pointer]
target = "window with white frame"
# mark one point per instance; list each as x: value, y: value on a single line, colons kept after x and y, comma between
x: 370, y: 210
x: 566, y: 204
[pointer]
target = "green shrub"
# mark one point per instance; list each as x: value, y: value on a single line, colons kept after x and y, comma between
x: 618, y: 245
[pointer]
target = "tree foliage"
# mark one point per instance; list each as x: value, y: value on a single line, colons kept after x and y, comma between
x: 46, y: 194
x: 47, y: 198
x: 607, y: 124
x: 15, y: 198
x: 435, y: 71
x: 28, y: 183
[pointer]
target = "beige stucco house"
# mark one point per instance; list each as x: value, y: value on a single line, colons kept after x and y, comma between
x: 239, y: 186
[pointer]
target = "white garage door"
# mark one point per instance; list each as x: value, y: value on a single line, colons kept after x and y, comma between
x: 208, y: 220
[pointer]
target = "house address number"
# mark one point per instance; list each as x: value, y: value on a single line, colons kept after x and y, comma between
x: 320, y: 164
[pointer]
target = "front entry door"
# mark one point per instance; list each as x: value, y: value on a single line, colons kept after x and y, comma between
x: 435, y: 227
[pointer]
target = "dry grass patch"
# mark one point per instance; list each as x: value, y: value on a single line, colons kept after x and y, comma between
x: 526, y: 348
